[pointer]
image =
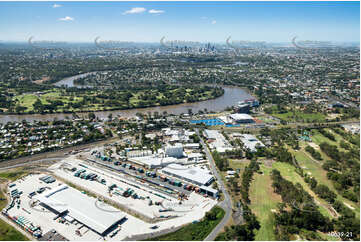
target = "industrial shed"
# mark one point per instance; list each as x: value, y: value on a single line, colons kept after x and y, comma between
x: 241, y: 118
x: 71, y: 204
x: 193, y: 175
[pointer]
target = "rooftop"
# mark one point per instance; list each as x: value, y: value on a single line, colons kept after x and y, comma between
x: 196, y: 174
x: 87, y: 210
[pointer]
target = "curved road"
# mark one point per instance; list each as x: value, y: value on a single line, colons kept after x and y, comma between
x: 226, y: 204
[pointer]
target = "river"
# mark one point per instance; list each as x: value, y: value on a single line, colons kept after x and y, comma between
x: 232, y: 95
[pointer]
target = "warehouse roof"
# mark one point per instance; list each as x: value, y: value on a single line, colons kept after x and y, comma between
x: 196, y: 174
x: 153, y: 161
x: 240, y: 116
x: 87, y: 210
x: 251, y: 142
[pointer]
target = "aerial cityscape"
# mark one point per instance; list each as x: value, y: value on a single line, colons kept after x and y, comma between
x: 180, y: 121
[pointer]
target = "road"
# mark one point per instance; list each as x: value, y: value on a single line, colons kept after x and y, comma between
x: 226, y: 204
x: 32, y: 162
x: 50, y: 155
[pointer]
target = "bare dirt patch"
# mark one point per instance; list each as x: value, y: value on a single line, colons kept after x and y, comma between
x: 349, y: 206
x: 314, y: 145
x: 268, y: 163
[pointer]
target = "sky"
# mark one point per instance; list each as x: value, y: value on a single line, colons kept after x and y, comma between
x: 186, y: 21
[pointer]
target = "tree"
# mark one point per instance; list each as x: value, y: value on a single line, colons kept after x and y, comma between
x: 190, y: 112
x: 38, y: 106
x: 91, y: 116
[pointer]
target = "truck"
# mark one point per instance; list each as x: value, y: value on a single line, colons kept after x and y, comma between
x: 163, y: 178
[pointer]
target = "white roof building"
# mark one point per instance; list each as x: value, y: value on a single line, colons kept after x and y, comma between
x: 193, y: 175
x: 175, y: 150
x: 241, y: 118
x: 217, y: 141
x: 97, y: 216
x: 251, y: 142
x: 154, y: 161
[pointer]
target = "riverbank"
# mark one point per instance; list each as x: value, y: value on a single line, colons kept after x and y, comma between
x: 232, y: 95
x: 96, y: 109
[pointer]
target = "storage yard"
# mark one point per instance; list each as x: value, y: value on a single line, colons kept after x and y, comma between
x: 86, y: 200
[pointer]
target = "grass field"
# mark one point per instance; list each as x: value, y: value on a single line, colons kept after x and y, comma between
x: 27, y: 100
x: 300, y: 116
x: 197, y: 231
x: 8, y: 233
x: 288, y: 172
x: 3, y: 201
x: 318, y: 138
x: 263, y: 200
x: 319, y: 173
x: 12, y: 175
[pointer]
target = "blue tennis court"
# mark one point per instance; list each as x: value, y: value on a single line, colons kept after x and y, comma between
x: 208, y: 122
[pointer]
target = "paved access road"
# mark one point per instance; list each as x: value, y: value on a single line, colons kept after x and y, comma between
x: 226, y: 204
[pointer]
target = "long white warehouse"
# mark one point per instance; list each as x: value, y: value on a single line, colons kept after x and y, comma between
x: 71, y: 204
x: 193, y: 175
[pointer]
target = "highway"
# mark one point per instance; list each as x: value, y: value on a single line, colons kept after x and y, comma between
x: 226, y: 204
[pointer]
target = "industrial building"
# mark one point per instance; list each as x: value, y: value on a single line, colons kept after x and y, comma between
x: 241, y: 118
x: 154, y: 161
x: 175, y: 150
x: 217, y: 141
x: 249, y: 141
x: 209, y: 191
x: 251, y: 102
x: 72, y: 205
x: 194, y: 175
x: 242, y: 108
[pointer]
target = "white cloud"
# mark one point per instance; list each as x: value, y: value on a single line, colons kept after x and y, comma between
x: 57, y: 5
x: 135, y: 10
x: 214, y: 22
x: 67, y: 18
x: 155, y: 11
